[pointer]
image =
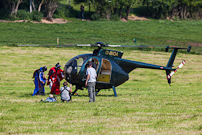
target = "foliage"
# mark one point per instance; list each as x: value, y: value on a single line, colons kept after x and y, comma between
x: 171, y: 8
x: 37, y: 16
x: 51, y: 8
x: 64, y: 11
x: 106, y: 8
x: 4, y: 13
x: 114, y: 17
x: 12, y: 5
x: 23, y: 15
x: 95, y: 17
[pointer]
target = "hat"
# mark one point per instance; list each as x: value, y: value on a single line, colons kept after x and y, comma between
x: 51, y: 96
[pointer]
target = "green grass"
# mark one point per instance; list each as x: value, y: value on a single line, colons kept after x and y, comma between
x: 156, y: 32
x: 146, y: 104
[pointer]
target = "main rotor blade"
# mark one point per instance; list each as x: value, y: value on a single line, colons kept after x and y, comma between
x: 137, y: 46
x: 77, y: 45
x: 94, y: 45
x: 38, y: 45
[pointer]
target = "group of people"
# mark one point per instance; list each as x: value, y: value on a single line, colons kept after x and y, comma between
x: 55, y: 76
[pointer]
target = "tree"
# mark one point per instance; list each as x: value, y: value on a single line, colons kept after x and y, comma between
x: 127, y: 4
x: 41, y: 3
x: 51, y: 7
x: 174, y: 8
x: 13, y: 5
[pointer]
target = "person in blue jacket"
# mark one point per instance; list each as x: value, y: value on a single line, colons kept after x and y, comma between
x: 39, y: 81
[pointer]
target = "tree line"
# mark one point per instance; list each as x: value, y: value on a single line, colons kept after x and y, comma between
x: 12, y: 6
x: 181, y: 9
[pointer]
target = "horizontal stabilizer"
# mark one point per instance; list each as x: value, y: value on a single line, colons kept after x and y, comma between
x: 170, y: 47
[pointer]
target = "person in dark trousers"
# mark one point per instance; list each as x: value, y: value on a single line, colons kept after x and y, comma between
x: 82, y: 12
x: 91, y: 81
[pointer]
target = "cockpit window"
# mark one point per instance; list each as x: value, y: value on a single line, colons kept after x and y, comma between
x: 76, y: 63
x: 80, y: 62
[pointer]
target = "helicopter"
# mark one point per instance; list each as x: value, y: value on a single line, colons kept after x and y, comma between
x: 111, y: 69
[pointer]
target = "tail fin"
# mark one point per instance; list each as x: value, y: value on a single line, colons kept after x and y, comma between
x: 171, y: 60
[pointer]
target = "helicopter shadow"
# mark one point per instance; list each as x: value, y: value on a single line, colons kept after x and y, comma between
x: 100, y: 95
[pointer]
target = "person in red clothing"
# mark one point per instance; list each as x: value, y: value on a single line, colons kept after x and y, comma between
x: 55, y: 76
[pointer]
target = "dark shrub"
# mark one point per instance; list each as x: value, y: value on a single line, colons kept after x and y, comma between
x: 60, y: 11
x: 64, y: 11
x: 95, y: 16
x: 114, y: 18
x: 4, y: 13
x: 37, y: 16
x: 23, y: 14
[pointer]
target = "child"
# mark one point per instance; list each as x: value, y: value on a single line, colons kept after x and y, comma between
x: 51, y: 98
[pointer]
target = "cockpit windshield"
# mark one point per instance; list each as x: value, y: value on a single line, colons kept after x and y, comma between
x: 76, y: 63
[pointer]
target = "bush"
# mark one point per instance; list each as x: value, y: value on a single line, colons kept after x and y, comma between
x: 4, y: 13
x: 124, y: 15
x: 95, y: 16
x: 23, y: 14
x: 63, y: 11
x: 12, y: 17
x: 37, y: 16
x: 114, y: 18
x: 60, y: 12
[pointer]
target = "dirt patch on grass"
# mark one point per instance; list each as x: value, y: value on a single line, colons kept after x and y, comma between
x: 134, y: 18
x: 44, y: 20
x: 189, y: 43
x: 54, y: 20
x: 194, y: 44
x: 62, y: 21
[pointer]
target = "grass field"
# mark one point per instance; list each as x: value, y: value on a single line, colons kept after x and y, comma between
x: 156, y: 32
x: 146, y: 104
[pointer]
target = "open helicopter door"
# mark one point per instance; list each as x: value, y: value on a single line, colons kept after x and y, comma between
x: 104, y: 74
x: 95, y: 65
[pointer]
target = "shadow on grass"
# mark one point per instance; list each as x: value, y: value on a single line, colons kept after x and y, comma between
x: 99, y: 95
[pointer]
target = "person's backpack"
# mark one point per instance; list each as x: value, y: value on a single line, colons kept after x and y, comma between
x: 65, y: 88
x: 36, y: 71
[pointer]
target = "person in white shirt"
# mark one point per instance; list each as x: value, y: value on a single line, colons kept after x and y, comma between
x: 91, y: 81
x: 65, y: 92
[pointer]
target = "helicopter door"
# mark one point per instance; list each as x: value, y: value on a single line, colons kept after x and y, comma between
x: 105, y: 72
x: 95, y: 65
